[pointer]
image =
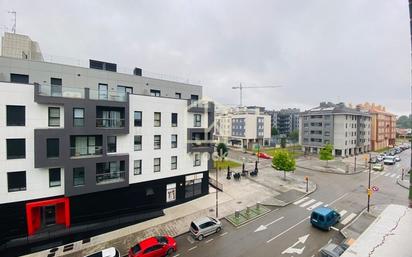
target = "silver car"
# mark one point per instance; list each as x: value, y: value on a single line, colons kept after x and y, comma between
x: 204, y: 226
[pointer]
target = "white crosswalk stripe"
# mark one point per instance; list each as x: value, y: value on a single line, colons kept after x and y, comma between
x: 301, y: 200
x: 348, y: 218
x: 343, y: 212
x: 387, y: 174
x: 307, y: 203
x: 393, y: 175
x: 314, y: 206
x: 383, y: 173
x: 398, y: 176
x: 365, y: 171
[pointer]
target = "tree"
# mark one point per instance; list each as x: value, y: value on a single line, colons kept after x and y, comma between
x: 283, y: 161
x: 325, y: 153
x: 222, y: 151
x: 283, y: 142
x: 404, y: 122
x: 294, y: 136
x: 274, y: 131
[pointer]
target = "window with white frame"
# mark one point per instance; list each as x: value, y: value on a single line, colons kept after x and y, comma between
x: 174, y: 163
x: 174, y: 141
x: 197, y: 161
x: 157, y: 119
x: 137, y: 167
x: 156, y: 164
x: 171, y: 192
x: 157, y: 142
x: 197, y: 120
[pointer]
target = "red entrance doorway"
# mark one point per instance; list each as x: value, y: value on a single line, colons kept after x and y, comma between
x: 46, y: 213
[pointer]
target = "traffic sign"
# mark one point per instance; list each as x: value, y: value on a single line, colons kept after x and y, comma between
x: 369, y: 192
x: 375, y: 188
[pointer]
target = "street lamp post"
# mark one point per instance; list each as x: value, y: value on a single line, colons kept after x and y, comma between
x: 369, y: 183
x: 354, y: 169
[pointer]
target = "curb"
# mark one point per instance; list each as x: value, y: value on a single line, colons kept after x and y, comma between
x: 330, y: 172
x: 350, y: 223
x: 300, y: 197
x: 398, y: 181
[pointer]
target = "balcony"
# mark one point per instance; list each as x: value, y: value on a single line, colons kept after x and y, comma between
x: 110, y: 117
x: 110, y: 123
x: 110, y: 172
x: 78, y: 152
x: 84, y: 146
x: 200, y: 141
x: 200, y: 106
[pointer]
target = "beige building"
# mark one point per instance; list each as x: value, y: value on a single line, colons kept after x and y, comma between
x: 20, y: 47
x: 383, y: 131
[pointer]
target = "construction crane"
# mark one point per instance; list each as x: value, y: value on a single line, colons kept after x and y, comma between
x: 240, y: 87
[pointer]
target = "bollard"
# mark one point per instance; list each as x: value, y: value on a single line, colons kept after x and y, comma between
x: 258, y: 206
x: 247, y: 211
x: 237, y: 214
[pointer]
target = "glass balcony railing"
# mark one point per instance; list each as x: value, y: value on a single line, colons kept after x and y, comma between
x: 107, y: 96
x: 59, y: 91
x: 109, y: 123
x: 85, y: 151
x: 110, y: 177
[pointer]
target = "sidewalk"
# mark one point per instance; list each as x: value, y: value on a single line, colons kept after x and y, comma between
x: 236, y: 195
x: 405, y: 183
x: 337, y: 166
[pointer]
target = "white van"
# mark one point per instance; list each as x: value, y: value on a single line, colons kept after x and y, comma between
x: 389, y: 160
x: 109, y: 252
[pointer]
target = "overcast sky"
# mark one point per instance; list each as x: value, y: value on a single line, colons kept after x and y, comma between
x: 348, y: 51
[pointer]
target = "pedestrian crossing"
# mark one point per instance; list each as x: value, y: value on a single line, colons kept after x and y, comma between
x: 311, y: 204
x: 384, y: 174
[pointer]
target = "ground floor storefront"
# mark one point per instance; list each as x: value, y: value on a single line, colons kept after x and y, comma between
x: 345, y: 152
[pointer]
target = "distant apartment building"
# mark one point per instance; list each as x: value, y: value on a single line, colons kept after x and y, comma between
x: 20, y: 47
x: 243, y: 127
x: 383, y: 126
x: 89, y: 149
x: 347, y: 129
x: 285, y: 120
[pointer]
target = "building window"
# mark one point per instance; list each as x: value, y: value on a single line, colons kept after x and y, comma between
x: 54, y: 116
x: 16, y: 115
x: 174, y: 163
x: 111, y: 144
x: 174, y: 141
x: 78, y: 176
x: 156, y: 164
x: 16, y: 148
x: 178, y: 95
x: 123, y: 91
x: 197, y: 160
x: 193, y: 185
x: 137, y: 167
x: 52, y: 148
x: 137, y: 143
x: 103, y: 91
x: 78, y: 117
x: 197, y: 120
x: 56, y: 86
x: 174, y: 119
x: 327, y: 133
x: 157, y: 142
x: 171, y: 192
x: 16, y: 181
x: 137, y: 119
x: 194, y: 97
x: 157, y: 119
x: 19, y: 78
x: 54, y: 177
x: 154, y: 92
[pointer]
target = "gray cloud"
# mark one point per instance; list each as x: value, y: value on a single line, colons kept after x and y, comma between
x: 351, y: 51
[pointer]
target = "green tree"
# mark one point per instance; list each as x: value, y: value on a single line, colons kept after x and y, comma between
x: 404, y: 122
x: 283, y: 142
x: 222, y: 151
x: 274, y: 131
x: 294, y: 136
x: 283, y: 161
x: 325, y: 153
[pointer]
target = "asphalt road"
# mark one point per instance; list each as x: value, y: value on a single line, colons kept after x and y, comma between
x: 288, y: 231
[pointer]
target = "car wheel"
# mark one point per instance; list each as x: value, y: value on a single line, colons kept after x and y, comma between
x: 169, y: 252
x: 200, y: 237
x: 218, y: 229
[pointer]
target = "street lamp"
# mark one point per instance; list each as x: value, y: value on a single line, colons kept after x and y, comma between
x: 369, y: 183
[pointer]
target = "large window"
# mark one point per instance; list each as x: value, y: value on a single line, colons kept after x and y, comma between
x: 156, y: 164
x: 54, y: 177
x: 103, y: 91
x: 78, y: 176
x: 137, y: 119
x: 197, y: 161
x: 174, y: 119
x: 137, y: 143
x: 123, y: 91
x: 171, y: 192
x: 16, y: 115
x: 137, y: 167
x: 157, y: 119
x: 174, y: 141
x: 174, y: 163
x: 157, y: 142
x: 193, y: 185
x: 197, y: 120
x: 16, y: 181
x: 16, y: 148
x: 56, y: 86
x: 178, y: 95
x: 53, y: 148
x: 111, y: 144
x: 154, y: 92
x: 19, y: 78
x: 78, y: 117
x: 54, y: 116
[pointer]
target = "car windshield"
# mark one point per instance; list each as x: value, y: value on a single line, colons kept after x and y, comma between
x: 339, y: 250
x: 161, y: 239
x: 136, y: 248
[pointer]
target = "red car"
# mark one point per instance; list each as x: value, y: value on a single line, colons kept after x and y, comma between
x: 264, y: 155
x: 154, y: 247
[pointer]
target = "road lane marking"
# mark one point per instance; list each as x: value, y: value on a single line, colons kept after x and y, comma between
x: 349, y: 218
x: 398, y: 176
x: 343, y: 212
x: 208, y: 241
x: 191, y: 249
x: 190, y: 239
x: 292, y: 249
x: 383, y: 173
x: 285, y: 231
x: 264, y: 227
x: 176, y: 255
x: 301, y: 200
x: 224, y: 234
x: 387, y: 174
x: 334, y: 228
x: 365, y: 171
x: 270, y: 223
x: 334, y: 201
x: 393, y: 175
x: 307, y: 203
x: 314, y: 206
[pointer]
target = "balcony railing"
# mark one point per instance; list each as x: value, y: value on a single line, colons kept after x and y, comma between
x: 86, y: 151
x: 109, y: 123
x: 59, y: 91
x: 110, y: 177
x: 107, y: 95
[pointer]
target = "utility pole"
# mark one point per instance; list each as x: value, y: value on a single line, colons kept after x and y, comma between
x: 369, y: 183
x: 410, y: 168
x: 354, y: 169
x: 13, y: 28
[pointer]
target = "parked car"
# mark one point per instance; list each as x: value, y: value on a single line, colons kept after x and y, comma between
x: 154, y: 247
x: 378, y: 167
x: 373, y: 160
x: 264, y: 155
x: 389, y: 160
x: 379, y: 158
x: 397, y: 158
x: 204, y: 226
x: 324, y: 217
x: 109, y: 252
x: 331, y: 250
